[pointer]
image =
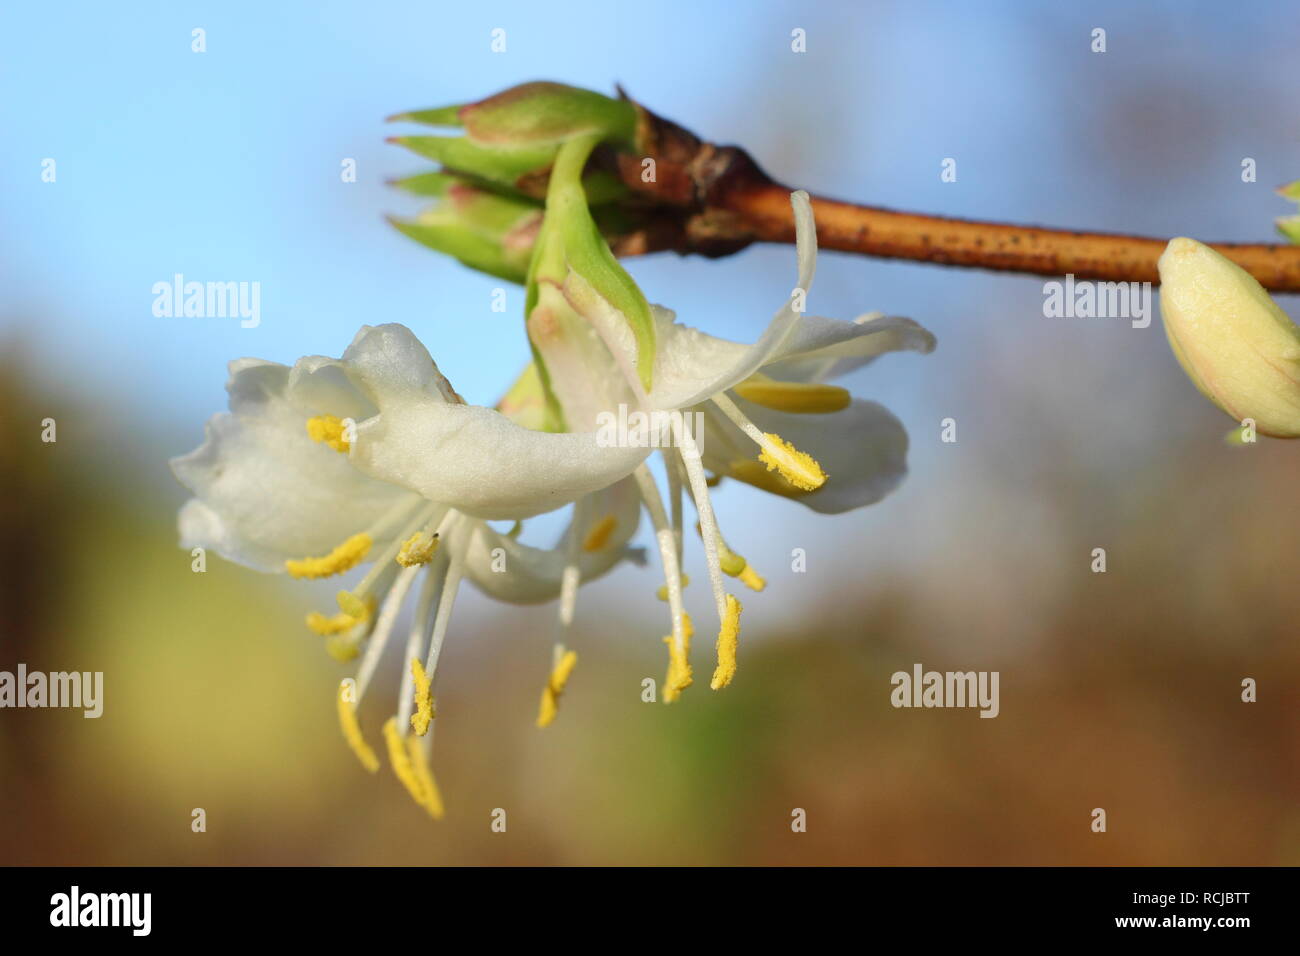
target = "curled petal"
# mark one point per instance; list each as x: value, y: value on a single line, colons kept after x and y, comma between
x: 268, y: 493
x: 862, y: 449
x: 697, y: 366
x: 470, y: 457
x: 505, y: 569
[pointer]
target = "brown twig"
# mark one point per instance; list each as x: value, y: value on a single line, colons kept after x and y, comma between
x: 714, y: 201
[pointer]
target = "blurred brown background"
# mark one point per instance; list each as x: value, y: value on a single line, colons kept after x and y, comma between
x: 1118, y: 690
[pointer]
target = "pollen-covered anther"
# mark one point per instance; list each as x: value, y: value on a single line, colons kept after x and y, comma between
x: 797, y: 467
x: 424, y: 711
x: 354, y: 611
x: 799, y: 398
x: 419, y: 548
x: 560, y: 673
x: 325, y: 625
x: 599, y: 534
x: 679, y: 676
x: 344, y: 557
x: 352, y: 729
x: 728, y: 638
x: 411, y: 769
x: 424, y: 775
x: 331, y: 430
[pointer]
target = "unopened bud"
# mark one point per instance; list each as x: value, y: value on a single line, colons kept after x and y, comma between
x: 511, y: 138
x: 1236, y: 345
x: 484, y: 230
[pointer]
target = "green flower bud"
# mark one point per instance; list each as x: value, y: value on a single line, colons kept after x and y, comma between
x: 572, y: 257
x: 487, y: 231
x: 514, y: 136
x: 1236, y: 345
x: 1289, y: 226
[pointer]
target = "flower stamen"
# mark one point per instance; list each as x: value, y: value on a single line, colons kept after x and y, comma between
x: 797, y: 467
x: 411, y: 768
x: 352, y: 730
x: 599, y: 534
x: 424, y: 709
x: 331, y: 430
x: 798, y: 398
x: 734, y: 565
x: 679, y: 676
x: 565, y: 662
x: 728, y: 639
x: 344, y: 557
x: 418, y: 549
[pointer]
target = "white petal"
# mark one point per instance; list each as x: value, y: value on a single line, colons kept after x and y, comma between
x: 821, y: 348
x: 201, y: 527
x: 481, y: 463
x: 390, y: 364
x: 466, y: 456
x: 690, y: 366
x: 275, y: 493
x: 531, y: 575
x: 862, y: 449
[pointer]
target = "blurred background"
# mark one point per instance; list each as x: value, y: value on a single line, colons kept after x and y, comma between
x: 1118, y: 690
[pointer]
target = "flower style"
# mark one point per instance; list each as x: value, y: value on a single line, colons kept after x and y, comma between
x: 770, y: 419
x: 374, y: 458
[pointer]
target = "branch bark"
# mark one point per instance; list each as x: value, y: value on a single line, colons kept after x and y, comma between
x: 715, y: 200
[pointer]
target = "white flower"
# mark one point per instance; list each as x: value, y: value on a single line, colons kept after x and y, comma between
x: 373, y: 458
x: 770, y: 419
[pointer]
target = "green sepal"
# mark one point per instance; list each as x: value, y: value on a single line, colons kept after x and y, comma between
x: 498, y: 164
x: 439, y: 116
x: 545, y: 112
x: 1289, y: 226
x: 526, y: 402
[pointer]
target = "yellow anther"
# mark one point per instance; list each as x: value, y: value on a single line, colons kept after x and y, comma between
x: 345, y: 557
x: 423, y: 774
x: 343, y: 647
x: 801, y: 398
x: 735, y: 564
x: 797, y: 467
x: 752, y: 472
x: 358, y: 608
x: 599, y: 534
x: 752, y: 579
x: 662, y: 593
x: 330, y: 430
x: 550, y: 705
x: 327, y: 625
x: 345, y: 630
x: 727, y: 640
x: 712, y: 481
x: 424, y: 711
x: 352, y: 729
x: 419, y: 548
x: 407, y: 760
x: 679, y: 667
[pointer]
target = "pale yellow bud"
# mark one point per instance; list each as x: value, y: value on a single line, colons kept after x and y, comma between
x: 1236, y: 345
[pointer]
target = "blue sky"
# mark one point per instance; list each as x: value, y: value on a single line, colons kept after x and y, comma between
x: 225, y: 166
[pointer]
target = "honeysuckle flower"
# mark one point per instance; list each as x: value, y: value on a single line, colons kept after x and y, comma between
x: 1233, y: 341
x: 373, y: 459
x: 770, y: 418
